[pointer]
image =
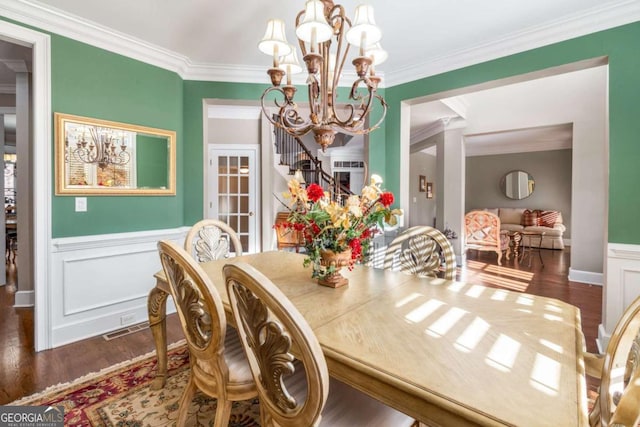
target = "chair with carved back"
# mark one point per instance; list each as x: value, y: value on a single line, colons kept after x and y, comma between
x: 420, y: 250
x: 293, y: 392
x: 209, y: 239
x: 219, y: 367
x: 482, y: 233
x: 618, y: 403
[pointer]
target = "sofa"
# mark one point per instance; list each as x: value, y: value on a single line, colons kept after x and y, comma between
x: 535, y: 220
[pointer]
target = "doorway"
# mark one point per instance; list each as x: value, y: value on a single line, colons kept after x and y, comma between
x: 233, y: 190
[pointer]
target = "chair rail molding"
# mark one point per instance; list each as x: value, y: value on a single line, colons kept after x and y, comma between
x: 622, y: 286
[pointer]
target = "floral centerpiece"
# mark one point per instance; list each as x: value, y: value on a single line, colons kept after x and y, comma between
x: 330, y: 228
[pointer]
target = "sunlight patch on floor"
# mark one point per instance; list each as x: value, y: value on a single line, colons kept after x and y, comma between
x: 503, y: 282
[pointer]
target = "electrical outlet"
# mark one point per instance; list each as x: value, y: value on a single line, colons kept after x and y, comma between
x: 81, y: 204
x: 127, y: 319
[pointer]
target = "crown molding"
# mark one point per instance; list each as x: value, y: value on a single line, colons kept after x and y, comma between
x: 596, y: 19
x: 523, y: 147
x: 50, y: 19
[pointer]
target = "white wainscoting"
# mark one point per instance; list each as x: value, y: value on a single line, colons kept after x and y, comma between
x: 100, y: 283
x: 622, y: 286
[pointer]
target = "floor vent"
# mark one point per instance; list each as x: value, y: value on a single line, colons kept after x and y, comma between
x: 125, y: 331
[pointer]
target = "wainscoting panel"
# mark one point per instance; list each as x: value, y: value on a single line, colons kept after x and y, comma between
x: 622, y: 286
x: 101, y: 283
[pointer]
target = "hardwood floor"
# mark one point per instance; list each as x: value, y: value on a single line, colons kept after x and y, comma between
x: 23, y: 372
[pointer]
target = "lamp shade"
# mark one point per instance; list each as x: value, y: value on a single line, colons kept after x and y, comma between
x: 364, y: 29
x: 274, y: 37
x: 290, y: 63
x: 377, y: 54
x: 314, y: 21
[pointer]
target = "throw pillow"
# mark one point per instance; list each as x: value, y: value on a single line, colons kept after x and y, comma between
x: 548, y: 218
x: 530, y: 218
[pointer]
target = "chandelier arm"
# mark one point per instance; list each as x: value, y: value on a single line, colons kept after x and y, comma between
x: 264, y: 107
x: 382, y: 116
x: 291, y: 122
x: 312, y: 87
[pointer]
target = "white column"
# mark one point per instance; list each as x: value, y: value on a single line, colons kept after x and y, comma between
x: 450, y: 184
x: 3, y: 266
x: 24, y: 198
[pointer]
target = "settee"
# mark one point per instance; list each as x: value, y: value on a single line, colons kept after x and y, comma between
x: 521, y: 219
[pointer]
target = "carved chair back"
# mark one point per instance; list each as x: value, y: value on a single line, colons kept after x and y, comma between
x: 482, y: 233
x: 420, y: 250
x: 269, y: 326
x: 618, y: 403
x: 209, y: 240
x: 204, y: 324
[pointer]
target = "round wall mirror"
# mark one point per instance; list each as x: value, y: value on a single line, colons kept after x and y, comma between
x: 517, y: 185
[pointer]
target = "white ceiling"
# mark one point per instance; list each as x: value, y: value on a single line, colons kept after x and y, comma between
x: 212, y: 38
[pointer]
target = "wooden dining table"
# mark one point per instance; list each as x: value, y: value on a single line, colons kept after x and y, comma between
x: 447, y: 353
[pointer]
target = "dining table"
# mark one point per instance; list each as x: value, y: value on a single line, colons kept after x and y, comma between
x: 447, y: 353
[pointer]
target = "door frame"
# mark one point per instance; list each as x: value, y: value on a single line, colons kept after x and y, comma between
x: 253, y: 186
x: 40, y: 44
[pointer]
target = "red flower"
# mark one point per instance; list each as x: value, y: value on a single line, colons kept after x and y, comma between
x: 315, y: 192
x: 366, y: 233
x: 356, y: 248
x: 386, y: 199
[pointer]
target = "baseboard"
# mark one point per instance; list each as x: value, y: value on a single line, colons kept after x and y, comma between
x: 24, y: 299
x: 588, y: 277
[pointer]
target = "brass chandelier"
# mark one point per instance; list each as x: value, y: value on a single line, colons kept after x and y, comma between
x: 321, y: 29
x: 105, y: 147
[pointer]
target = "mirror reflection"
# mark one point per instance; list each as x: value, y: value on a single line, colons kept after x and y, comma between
x: 101, y: 157
x: 517, y: 185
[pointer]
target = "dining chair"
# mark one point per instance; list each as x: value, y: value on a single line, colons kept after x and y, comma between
x: 208, y: 240
x: 218, y: 365
x: 618, y: 402
x: 420, y: 250
x: 482, y: 233
x: 293, y: 391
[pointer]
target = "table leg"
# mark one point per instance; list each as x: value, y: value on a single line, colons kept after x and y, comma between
x: 157, y: 309
x: 517, y: 238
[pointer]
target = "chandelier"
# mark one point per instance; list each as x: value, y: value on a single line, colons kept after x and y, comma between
x: 105, y: 147
x: 321, y: 29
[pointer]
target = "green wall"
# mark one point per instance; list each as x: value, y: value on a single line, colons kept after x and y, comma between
x: 152, y: 161
x: 622, y: 47
x: 92, y: 82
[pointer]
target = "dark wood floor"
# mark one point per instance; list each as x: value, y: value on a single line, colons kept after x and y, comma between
x: 23, y: 372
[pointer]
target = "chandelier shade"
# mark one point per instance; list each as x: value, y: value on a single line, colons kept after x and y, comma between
x: 325, y: 35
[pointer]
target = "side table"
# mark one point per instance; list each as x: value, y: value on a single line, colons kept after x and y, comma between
x: 531, y: 244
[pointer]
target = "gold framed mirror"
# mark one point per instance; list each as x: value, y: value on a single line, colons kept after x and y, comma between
x: 101, y: 157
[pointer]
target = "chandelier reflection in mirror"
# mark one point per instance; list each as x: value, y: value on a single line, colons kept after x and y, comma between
x: 99, y: 155
x: 98, y: 145
x: 321, y: 29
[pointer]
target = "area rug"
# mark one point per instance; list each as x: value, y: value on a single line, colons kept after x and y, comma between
x: 121, y: 396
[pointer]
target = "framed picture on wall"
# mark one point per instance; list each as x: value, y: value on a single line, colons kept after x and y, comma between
x: 422, y: 183
x: 429, y: 188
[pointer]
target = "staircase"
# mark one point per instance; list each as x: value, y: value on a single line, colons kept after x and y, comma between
x: 294, y: 154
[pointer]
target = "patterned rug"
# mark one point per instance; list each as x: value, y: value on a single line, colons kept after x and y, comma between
x: 121, y: 396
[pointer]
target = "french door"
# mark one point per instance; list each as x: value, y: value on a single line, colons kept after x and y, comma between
x: 233, y: 190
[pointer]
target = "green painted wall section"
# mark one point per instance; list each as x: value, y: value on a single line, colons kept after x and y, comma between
x: 152, y: 162
x: 92, y: 82
x: 195, y: 92
x: 621, y: 46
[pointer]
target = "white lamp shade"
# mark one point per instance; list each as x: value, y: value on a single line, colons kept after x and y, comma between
x: 274, y: 37
x: 377, y: 53
x: 364, y: 24
x: 314, y: 19
x: 290, y: 63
